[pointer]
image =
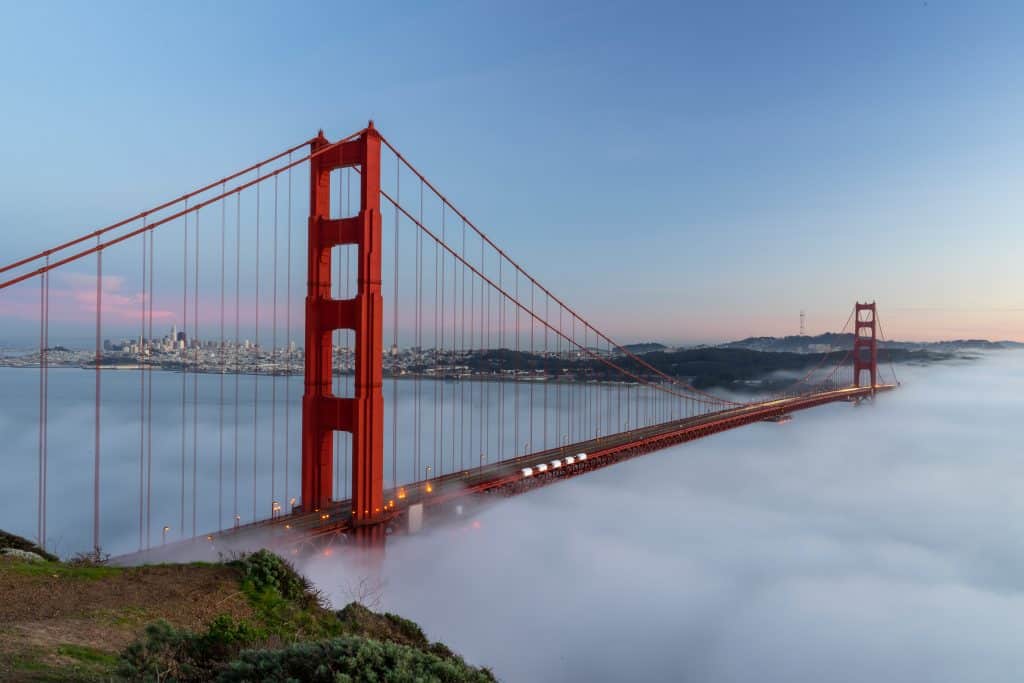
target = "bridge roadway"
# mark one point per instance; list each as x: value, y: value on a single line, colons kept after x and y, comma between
x: 448, y: 495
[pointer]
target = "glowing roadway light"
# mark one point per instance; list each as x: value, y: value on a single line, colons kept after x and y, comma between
x: 569, y: 460
x: 430, y: 488
x: 556, y: 464
x: 163, y: 541
x: 542, y: 468
x: 581, y: 456
x: 527, y: 471
x: 401, y: 493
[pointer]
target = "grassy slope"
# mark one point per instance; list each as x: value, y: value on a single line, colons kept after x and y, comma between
x: 64, y: 622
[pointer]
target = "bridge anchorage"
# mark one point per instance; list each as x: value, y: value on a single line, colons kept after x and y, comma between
x: 437, y: 371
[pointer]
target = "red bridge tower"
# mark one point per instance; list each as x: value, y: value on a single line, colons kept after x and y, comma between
x: 322, y: 412
x: 865, y: 344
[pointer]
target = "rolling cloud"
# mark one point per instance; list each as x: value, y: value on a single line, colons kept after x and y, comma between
x: 853, y: 544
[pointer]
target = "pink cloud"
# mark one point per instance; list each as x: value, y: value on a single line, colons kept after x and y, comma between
x: 73, y: 299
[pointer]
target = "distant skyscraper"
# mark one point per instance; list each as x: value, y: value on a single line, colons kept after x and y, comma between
x: 174, y: 332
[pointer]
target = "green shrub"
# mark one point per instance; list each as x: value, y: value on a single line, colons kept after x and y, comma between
x: 167, y: 653
x: 264, y: 570
x: 349, y: 658
x: 8, y: 540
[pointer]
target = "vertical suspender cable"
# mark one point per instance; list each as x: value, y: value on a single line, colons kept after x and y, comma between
x: 184, y: 366
x: 462, y: 356
x: 142, y: 393
x: 394, y: 340
x: 417, y: 417
x: 487, y: 420
x: 288, y: 343
x: 501, y: 346
x: 196, y: 343
x: 533, y: 359
x: 453, y: 356
x: 436, y: 427
x: 256, y: 354
x: 96, y: 432
x: 274, y: 368
x: 149, y: 401
x: 220, y: 367
x: 440, y: 354
x: 238, y: 344
x: 472, y: 346
x: 515, y: 377
x: 547, y: 378
x: 40, y: 492
x: 46, y: 401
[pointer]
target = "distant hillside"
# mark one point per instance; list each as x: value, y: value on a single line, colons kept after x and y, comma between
x: 644, y: 347
x: 831, y: 340
x: 738, y: 369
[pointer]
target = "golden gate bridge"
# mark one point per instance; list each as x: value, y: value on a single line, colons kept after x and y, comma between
x: 402, y: 288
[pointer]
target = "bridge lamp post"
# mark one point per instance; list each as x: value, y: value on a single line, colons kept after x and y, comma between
x: 483, y: 459
x: 275, y: 509
x: 163, y: 539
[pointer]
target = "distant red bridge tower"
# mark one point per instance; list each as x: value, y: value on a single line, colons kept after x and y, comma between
x: 865, y: 344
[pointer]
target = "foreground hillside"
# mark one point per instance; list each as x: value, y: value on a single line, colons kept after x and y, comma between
x: 251, y: 619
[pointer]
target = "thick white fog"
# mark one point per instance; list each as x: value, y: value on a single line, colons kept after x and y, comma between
x: 854, y: 544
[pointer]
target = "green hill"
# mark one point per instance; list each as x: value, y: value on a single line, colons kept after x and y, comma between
x: 250, y: 619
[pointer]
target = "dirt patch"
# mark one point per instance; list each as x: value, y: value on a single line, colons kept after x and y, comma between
x: 46, y: 606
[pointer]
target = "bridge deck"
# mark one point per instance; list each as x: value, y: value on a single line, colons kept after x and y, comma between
x: 292, y: 531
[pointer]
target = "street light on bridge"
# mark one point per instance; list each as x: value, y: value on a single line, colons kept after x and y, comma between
x: 163, y: 540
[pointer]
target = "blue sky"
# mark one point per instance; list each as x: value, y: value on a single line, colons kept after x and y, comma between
x: 685, y: 172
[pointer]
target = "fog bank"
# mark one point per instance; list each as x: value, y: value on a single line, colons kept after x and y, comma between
x: 853, y: 544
